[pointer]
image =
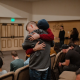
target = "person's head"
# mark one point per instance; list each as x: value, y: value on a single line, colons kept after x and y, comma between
x: 64, y: 48
x: 78, y: 74
x: 75, y: 31
x: 14, y: 54
x: 31, y: 26
x: 61, y: 27
x: 72, y: 45
x: 1, y: 62
x: 43, y: 24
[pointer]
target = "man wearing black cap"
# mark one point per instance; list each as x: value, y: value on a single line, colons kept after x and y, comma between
x: 72, y: 59
x: 61, y: 35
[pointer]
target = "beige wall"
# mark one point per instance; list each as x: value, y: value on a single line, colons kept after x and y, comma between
x: 16, y: 9
x: 56, y: 10
x: 20, y: 9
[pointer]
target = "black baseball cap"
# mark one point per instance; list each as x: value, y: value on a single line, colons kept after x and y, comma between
x: 64, y: 46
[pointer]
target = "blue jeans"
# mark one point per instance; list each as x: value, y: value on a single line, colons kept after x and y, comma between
x: 38, y: 75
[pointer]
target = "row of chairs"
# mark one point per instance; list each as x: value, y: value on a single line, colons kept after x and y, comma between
x: 19, y: 74
x: 23, y: 73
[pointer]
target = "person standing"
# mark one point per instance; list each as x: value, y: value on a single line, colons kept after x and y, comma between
x: 61, y: 35
x: 38, y: 64
x: 74, y: 35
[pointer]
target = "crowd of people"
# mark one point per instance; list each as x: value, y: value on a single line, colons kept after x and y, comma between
x: 37, y: 46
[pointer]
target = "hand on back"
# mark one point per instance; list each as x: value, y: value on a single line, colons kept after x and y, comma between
x: 39, y: 46
x: 34, y: 36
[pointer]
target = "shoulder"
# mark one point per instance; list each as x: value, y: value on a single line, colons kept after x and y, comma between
x: 4, y: 71
x: 40, y: 31
x: 69, y: 52
x: 63, y: 31
x: 13, y: 62
x: 21, y: 60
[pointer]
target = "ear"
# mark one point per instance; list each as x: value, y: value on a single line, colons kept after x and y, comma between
x: 65, y: 49
x: 32, y: 26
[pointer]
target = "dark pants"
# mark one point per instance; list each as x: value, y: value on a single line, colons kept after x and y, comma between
x: 70, y: 68
x: 38, y: 75
x: 61, y: 43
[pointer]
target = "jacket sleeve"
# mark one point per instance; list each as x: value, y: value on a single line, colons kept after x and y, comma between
x: 28, y: 44
x: 47, y: 37
x: 29, y: 51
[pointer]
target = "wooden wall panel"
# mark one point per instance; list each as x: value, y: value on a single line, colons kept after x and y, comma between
x: 68, y: 26
x: 3, y: 31
x: 20, y: 30
x: 15, y: 30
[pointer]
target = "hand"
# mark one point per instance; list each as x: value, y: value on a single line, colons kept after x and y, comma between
x: 60, y: 64
x: 39, y: 46
x: 34, y: 36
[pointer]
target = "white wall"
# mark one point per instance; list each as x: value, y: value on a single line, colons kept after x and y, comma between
x: 56, y: 10
x: 16, y: 9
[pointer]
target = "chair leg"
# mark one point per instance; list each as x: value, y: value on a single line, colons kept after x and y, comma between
x: 53, y: 75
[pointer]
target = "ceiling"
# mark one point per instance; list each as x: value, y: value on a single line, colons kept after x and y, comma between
x: 25, y: 0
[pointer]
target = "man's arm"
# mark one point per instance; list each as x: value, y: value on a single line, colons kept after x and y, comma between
x: 46, y: 37
x: 36, y: 48
x: 66, y: 63
x: 28, y: 44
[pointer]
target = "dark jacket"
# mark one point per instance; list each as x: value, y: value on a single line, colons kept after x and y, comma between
x: 39, y: 59
x: 74, y: 37
x: 62, y: 35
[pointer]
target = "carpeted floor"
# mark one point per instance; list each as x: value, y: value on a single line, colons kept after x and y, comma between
x: 8, y: 58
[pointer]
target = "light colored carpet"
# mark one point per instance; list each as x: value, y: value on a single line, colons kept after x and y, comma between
x: 8, y: 58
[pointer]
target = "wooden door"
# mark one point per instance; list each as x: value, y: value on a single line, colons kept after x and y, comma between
x: 12, y: 37
x: 18, y: 36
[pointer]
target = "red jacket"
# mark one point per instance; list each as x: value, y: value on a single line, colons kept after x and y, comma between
x: 47, y: 37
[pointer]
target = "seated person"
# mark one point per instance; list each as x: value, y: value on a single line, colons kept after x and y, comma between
x: 27, y: 60
x: 72, y: 59
x: 78, y: 74
x: 72, y: 46
x: 16, y: 63
x: 52, y: 51
x: 75, y: 47
x: 2, y: 71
